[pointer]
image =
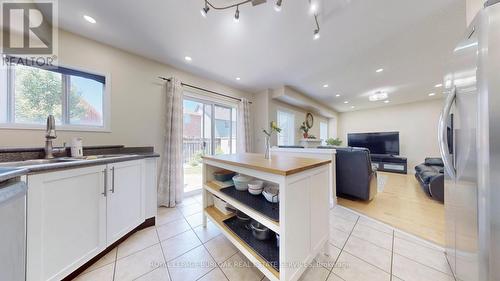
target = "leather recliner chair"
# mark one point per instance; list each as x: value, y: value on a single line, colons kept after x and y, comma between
x: 430, y: 175
x: 356, y: 178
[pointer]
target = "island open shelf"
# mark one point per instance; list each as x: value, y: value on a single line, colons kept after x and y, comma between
x: 303, y: 209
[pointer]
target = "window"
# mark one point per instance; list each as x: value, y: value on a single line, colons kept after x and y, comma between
x: 286, y: 121
x: 323, y: 132
x: 75, y: 98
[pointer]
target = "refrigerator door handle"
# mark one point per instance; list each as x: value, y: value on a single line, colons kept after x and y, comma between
x: 443, y: 134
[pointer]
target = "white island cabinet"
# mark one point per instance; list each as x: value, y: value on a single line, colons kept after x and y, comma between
x: 75, y: 214
x: 302, y: 213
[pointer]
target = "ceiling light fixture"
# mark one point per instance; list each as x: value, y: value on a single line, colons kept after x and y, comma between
x: 237, y: 14
x: 438, y: 85
x: 337, y: 95
x: 238, y: 78
x: 346, y: 102
x: 313, y: 7
x: 352, y: 106
x: 325, y: 86
x: 379, y: 70
x: 89, y: 19
x: 432, y: 94
x: 378, y: 96
x: 277, y: 7
x: 316, y: 34
x: 204, y: 10
x: 188, y: 58
x: 387, y: 101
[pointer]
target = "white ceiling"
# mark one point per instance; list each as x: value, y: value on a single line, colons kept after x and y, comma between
x: 411, y: 40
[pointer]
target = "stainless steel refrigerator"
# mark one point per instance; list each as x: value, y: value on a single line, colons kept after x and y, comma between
x: 469, y: 137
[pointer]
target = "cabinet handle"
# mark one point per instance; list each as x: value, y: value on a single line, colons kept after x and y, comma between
x: 105, y: 192
x: 113, y: 179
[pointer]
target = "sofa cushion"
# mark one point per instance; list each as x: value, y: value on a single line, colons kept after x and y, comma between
x: 434, y: 161
x: 426, y: 176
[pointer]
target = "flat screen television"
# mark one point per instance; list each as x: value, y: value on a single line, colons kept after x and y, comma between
x: 377, y: 143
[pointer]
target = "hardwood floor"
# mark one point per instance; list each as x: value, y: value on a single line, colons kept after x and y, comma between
x: 403, y: 204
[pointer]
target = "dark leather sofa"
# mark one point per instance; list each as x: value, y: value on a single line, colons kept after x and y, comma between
x: 356, y: 178
x: 430, y: 175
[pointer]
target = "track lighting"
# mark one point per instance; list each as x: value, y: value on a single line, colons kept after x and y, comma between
x: 205, y: 10
x: 316, y: 34
x: 237, y: 14
x: 313, y: 8
x: 277, y: 7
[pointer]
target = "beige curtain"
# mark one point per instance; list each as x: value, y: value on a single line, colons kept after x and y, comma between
x: 171, y: 184
x: 244, y: 133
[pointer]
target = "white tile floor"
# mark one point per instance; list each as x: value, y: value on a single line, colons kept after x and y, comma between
x: 178, y: 248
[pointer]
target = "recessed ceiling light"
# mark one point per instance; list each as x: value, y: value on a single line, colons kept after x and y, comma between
x: 378, y: 96
x: 346, y: 102
x: 188, y: 58
x: 89, y: 19
x: 352, y: 106
x: 238, y: 78
x: 387, y: 101
x: 337, y: 95
x: 432, y: 94
x: 379, y: 70
x: 438, y: 85
x: 325, y: 86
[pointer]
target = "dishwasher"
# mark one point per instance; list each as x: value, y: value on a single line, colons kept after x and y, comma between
x: 13, y: 230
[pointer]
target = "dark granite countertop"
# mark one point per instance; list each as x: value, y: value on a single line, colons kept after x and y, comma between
x: 122, y: 154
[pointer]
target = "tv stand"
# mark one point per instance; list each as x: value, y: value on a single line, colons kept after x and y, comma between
x: 390, y: 163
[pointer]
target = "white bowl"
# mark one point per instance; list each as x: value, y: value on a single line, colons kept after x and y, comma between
x: 241, y: 182
x: 271, y: 192
x: 256, y: 184
x: 255, y: 191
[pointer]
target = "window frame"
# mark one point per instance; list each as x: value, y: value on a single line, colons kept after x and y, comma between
x: 7, y: 73
x: 293, y: 131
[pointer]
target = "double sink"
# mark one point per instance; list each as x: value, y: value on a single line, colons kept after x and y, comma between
x: 34, y: 162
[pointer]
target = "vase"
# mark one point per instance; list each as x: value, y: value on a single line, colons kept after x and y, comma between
x: 268, y: 148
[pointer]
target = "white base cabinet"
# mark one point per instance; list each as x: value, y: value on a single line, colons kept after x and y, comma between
x: 73, y: 215
x: 66, y: 221
x: 125, y: 208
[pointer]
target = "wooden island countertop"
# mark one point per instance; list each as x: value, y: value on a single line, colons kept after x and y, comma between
x: 278, y: 164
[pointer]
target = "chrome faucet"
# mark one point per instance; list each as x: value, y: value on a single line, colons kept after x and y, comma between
x: 50, y: 134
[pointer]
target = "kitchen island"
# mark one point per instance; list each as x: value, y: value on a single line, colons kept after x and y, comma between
x: 299, y: 222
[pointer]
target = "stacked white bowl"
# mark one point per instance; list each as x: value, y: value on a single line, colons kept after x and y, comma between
x: 255, y: 187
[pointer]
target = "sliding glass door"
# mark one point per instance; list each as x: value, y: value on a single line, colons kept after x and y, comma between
x: 209, y: 128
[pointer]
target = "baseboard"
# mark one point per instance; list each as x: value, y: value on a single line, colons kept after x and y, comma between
x: 147, y: 223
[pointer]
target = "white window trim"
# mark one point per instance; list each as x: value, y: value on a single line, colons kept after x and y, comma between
x: 294, y: 133
x: 106, y: 128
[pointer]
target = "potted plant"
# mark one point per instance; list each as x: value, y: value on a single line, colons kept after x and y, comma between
x: 273, y: 128
x: 305, y: 130
x: 334, y: 142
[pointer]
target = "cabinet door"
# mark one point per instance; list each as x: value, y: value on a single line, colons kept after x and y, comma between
x: 66, y: 222
x: 125, y: 198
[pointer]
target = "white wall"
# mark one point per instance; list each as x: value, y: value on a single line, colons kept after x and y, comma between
x: 137, y: 96
x: 266, y: 110
x: 417, y: 123
x: 472, y: 8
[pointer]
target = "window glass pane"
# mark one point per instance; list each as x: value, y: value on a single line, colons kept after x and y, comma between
x: 286, y: 121
x: 323, y: 131
x: 86, y: 102
x: 3, y: 94
x: 222, y: 130
x: 193, y: 144
x: 234, y: 132
x: 38, y: 93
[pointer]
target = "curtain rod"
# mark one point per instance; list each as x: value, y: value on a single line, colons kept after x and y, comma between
x: 202, y: 89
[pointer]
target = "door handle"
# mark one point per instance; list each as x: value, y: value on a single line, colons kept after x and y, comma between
x: 443, y: 134
x: 112, y: 179
x: 105, y: 191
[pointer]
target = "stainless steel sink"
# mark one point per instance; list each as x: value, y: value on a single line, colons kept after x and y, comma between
x: 33, y: 162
